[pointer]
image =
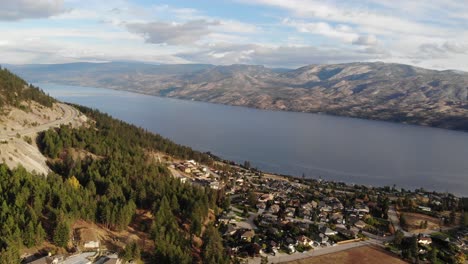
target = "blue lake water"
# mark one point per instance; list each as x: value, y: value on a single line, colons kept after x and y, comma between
x: 320, y: 146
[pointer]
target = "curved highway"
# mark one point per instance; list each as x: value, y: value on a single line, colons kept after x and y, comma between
x: 70, y: 113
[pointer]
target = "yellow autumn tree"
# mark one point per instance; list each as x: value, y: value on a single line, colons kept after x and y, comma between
x: 73, y: 181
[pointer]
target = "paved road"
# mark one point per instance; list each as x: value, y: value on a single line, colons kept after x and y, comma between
x: 393, y: 217
x: 70, y: 113
x: 282, y: 257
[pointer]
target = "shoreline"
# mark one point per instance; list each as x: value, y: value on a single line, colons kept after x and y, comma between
x: 327, y: 113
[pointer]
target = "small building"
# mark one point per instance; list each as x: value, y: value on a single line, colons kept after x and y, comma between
x: 89, y: 239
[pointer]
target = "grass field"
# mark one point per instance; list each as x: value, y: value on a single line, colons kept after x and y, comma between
x: 361, y: 255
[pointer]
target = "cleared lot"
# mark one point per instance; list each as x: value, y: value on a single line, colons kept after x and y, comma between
x: 361, y: 255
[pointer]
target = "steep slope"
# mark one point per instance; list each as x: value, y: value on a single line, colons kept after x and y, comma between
x: 25, y: 110
x: 381, y: 91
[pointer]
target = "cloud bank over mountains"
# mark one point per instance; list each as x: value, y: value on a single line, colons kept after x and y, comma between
x: 275, y: 33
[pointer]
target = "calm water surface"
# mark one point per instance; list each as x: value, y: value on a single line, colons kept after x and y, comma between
x: 333, y: 148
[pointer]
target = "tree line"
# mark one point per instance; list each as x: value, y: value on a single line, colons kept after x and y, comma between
x: 14, y: 91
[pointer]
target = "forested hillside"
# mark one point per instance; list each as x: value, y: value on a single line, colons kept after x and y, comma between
x: 106, y: 187
x: 14, y: 90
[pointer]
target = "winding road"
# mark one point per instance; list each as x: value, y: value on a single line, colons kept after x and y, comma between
x: 70, y: 113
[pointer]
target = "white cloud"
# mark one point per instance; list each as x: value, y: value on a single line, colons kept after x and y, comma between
x: 342, y: 33
x: 11, y: 10
x: 275, y: 56
x: 367, y: 40
x: 172, y: 33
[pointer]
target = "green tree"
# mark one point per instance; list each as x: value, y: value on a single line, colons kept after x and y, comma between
x: 10, y: 255
x: 131, y: 252
x: 213, y: 250
x: 62, y: 234
x: 464, y: 221
x: 403, y: 222
x: 433, y: 255
x: 453, y: 216
x: 399, y: 235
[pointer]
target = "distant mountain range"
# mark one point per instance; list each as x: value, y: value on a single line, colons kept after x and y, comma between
x: 381, y: 91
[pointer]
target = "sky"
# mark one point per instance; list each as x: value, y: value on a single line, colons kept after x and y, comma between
x: 275, y: 33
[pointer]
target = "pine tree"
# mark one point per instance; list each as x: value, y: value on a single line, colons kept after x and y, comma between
x: 62, y: 234
x: 213, y: 250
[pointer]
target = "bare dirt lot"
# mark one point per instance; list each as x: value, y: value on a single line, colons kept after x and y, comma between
x: 116, y: 240
x: 361, y: 255
x: 414, y: 221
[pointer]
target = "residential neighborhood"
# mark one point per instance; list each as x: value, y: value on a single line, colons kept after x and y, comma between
x: 271, y: 215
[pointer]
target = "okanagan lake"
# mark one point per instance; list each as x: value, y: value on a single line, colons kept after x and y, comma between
x: 320, y: 146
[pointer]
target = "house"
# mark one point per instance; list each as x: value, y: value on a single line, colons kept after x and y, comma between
x: 327, y: 231
x: 321, y: 239
x: 291, y: 241
x: 337, y: 218
x: 48, y: 260
x: 88, y: 239
x: 273, y: 231
x: 360, y: 224
x: 304, y: 241
x: 214, y: 185
x: 291, y: 249
x: 424, y: 240
x: 231, y: 230
x: 112, y: 259
x: 290, y: 211
x: 265, y: 197
x: 224, y: 219
x: 273, y: 246
x: 425, y: 208
x: 183, y: 179
x: 248, y: 235
x: 361, y: 209
x: 274, y: 209
x: 347, y: 233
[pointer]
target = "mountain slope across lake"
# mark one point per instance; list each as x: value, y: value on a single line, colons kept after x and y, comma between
x: 381, y: 91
